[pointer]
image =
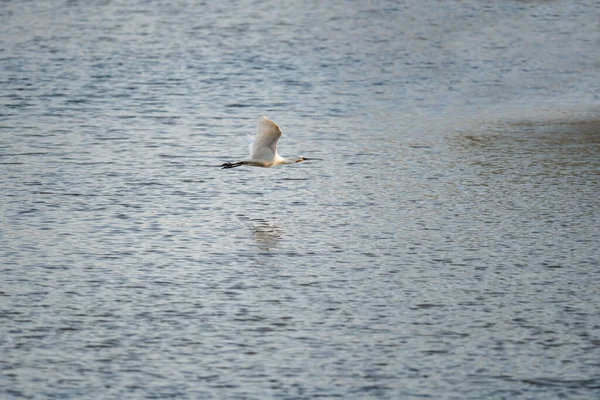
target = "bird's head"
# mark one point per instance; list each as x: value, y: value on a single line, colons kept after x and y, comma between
x: 301, y: 158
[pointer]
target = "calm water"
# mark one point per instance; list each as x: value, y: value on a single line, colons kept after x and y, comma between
x: 447, y: 247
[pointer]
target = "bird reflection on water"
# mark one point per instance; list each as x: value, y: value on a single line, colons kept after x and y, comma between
x: 266, y: 234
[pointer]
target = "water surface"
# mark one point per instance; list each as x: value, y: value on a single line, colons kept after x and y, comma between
x: 445, y: 248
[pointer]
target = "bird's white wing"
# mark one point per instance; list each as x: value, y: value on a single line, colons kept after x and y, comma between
x: 264, y: 145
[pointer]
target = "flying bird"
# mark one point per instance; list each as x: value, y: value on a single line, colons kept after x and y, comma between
x: 263, y: 148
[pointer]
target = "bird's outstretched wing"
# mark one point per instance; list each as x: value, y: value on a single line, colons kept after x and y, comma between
x: 263, y: 146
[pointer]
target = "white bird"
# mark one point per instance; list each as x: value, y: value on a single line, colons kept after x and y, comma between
x: 263, y: 148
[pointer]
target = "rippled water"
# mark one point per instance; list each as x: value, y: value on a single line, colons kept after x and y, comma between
x: 446, y: 247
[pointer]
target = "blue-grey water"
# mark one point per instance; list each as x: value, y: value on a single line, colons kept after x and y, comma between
x: 445, y: 247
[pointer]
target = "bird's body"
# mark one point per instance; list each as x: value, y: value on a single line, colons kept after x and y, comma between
x: 263, y: 148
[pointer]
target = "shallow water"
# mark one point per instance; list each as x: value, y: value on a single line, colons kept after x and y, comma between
x: 446, y: 247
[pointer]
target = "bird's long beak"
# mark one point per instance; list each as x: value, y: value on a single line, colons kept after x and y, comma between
x: 311, y: 158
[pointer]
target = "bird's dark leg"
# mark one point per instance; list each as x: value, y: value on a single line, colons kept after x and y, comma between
x: 228, y: 165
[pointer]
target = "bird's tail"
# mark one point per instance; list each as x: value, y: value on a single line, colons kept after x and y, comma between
x: 228, y: 165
